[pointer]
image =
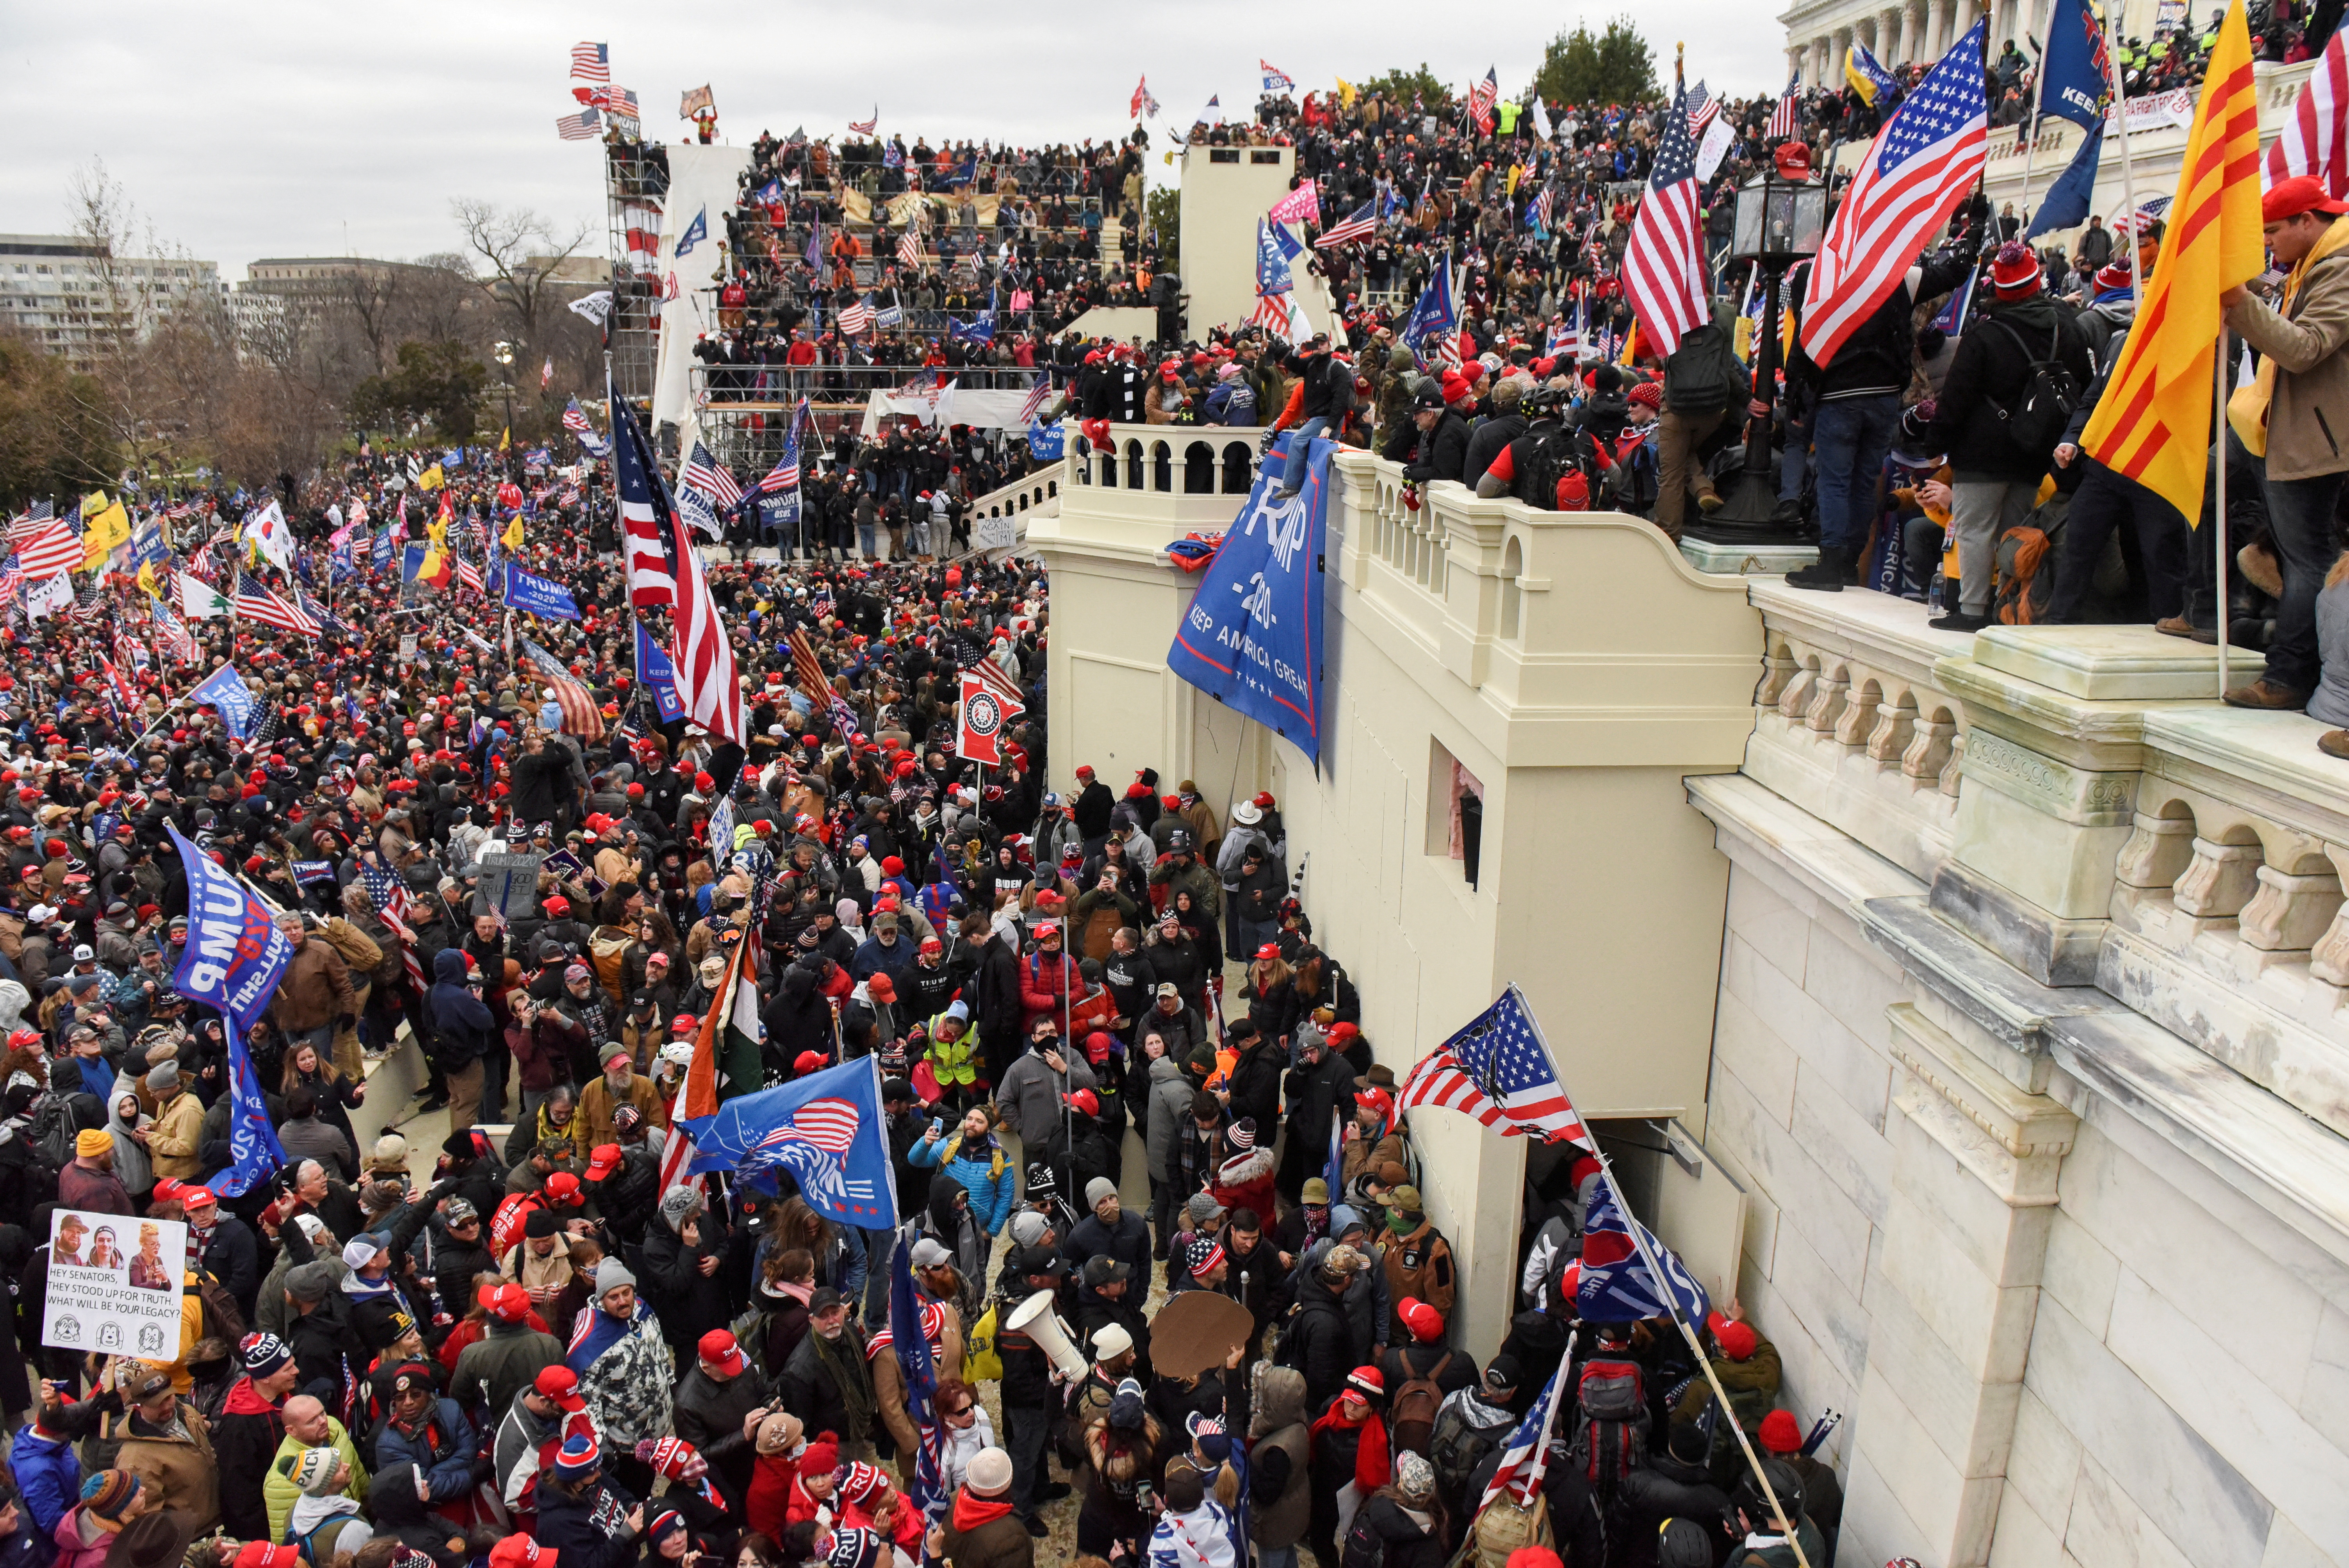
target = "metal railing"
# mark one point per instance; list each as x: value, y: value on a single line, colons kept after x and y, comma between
x: 781, y: 386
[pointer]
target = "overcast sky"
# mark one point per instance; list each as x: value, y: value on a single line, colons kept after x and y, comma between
x: 244, y: 129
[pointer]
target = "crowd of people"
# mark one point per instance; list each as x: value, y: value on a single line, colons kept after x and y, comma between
x: 1112, y: 1054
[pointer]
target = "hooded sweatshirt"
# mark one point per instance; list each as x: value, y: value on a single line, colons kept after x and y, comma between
x: 460, y: 1019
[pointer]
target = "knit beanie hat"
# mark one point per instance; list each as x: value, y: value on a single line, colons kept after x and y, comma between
x: 2015, y: 272
x: 314, y: 1470
x: 106, y: 1495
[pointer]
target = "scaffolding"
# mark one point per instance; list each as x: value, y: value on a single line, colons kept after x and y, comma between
x: 636, y: 186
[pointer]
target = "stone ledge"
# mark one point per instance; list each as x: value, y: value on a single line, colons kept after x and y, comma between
x: 2103, y: 664
x: 2011, y: 1006
x: 1836, y: 868
x: 2280, y: 1159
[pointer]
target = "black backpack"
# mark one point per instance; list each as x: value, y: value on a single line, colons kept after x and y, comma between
x: 1611, y: 1421
x: 1551, y: 455
x: 2035, y: 420
x: 1457, y: 1448
x: 1703, y: 374
x: 1363, y: 1547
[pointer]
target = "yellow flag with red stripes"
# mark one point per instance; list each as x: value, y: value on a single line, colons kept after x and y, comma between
x: 2153, y: 422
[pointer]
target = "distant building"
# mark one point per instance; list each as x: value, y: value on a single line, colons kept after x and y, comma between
x: 60, y: 291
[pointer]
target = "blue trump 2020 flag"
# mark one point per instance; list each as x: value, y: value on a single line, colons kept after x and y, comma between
x: 2075, y: 81
x: 659, y: 676
x: 234, y: 958
x: 1434, y: 315
x: 540, y: 596
x: 1252, y: 636
x: 1616, y: 1284
x: 825, y: 1129
x: 225, y: 690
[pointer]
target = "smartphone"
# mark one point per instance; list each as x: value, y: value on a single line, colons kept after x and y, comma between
x: 938, y: 1123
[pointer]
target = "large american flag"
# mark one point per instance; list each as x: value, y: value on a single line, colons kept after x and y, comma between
x: 1786, y: 116
x: 1037, y: 396
x: 855, y: 318
x: 618, y: 101
x: 785, y: 475
x: 1497, y: 1071
x: 2315, y: 140
x: 707, y: 681
x: 252, y: 601
x: 580, y: 715
x: 1526, y: 1458
x: 1359, y: 225
x: 1917, y: 170
x: 864, y: 126
x: 579, y: 127
x: 815, y: 685
x: 1664, y: 266
x: 711, y: 478
x: 591, y: 62
x: 909, y: 246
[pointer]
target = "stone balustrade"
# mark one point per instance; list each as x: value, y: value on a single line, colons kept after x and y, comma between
x: 2076, y: 801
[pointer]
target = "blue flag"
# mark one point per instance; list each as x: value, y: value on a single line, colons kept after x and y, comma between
x: 826, y: 1128
x: 1271, y: 262
x: 912, y: 1347
x: 659, y: 677
x: 1434, y: 315
x: 1252, y: 636
x: 2065, y: 205
x: 225, y: 690
x: 2075, y: 79
x: 236, y: 957
x: 695, y: 232
x: 979, y: 330
x: 540, y: 596
x: 771, y: 193
x: 1047, y: 443
x: 1616, y: 1284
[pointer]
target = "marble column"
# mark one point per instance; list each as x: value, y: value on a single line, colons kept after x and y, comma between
x: 1953, y: 1291
x: 1899, y: 54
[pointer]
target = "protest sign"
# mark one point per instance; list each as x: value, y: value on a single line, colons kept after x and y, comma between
x: 509, y: 884
x: 114, y: 1285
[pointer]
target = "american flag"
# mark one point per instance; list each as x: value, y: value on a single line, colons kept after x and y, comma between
x: 12, y: 578
x: 1545, y: 206
x: 390, y: 895
x: 252, y: 601
x: 785, y: 475
x: 268, y: 724
x: 619, y: 102
x: 707, y: 681
x: 591, y: 62
x: 327, y: 620
x: 1664, y: 266
x: 1004, y: 686
x: 580, y: 715
x: 711, y: 478
x: 1497, y: 1071
x: 1917, y: 170
x: 576, y: 421
x: 1037, y: 396
x: 1786, y: 116
x: 1702, y: 107
x: 864, y: 126
x: 580, y: 127
x: 171, y: 632
x: 1616, y: 1285
x: 909, y: 247
x: 2315, y: 140
x: 855, y: 318
x: 1525, y: 1458
x: 1481, y: 99
x: 468, y: 574
x: 46, y: 550
x: 1360, y: 225
x: 813, y: 684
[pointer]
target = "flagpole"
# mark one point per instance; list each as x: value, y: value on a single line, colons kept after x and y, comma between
x: 1663, y: 1293
x: 2031, y: 126
x: 2219, y: 510
x: 2128, y: 186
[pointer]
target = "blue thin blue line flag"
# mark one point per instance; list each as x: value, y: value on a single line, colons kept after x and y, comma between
x: 825, y: 1129
x: 235, y: 958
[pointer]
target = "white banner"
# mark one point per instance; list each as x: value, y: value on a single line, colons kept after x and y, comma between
x: 1718, y: 139
x: 2155, y: 111
x: 114, y: 1285
x: 49, y: 597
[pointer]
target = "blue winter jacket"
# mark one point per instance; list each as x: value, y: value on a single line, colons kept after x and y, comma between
x: 994, y: 1194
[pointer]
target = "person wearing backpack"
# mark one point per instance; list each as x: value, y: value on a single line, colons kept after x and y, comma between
x: 1747, y: 1368
x: 1704, y: 384
x: 1764, y: 1543
x: 1471, y: 1424
x: 1423, y: 1372
x: 1611, y: 1418
x: 1676, y: 1484
x: 1400, y: 1525
x: 2011, y: 389
x: 1857, y: 414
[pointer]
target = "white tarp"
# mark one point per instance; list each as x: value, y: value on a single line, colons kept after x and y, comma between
x: 700, y: 178
x: 959, y: 406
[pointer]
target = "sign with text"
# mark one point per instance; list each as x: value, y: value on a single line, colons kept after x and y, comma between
x: 114, y: 1285
x: 509, y: 884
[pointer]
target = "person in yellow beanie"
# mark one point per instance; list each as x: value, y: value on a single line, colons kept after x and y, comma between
x: 88, y: 1183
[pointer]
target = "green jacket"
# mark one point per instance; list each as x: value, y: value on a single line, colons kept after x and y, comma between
x: 278, y: 1490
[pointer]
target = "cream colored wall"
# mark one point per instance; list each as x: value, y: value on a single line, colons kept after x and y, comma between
x: 1221, y: 203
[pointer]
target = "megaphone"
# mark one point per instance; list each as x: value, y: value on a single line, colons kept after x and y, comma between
x: 1035, y: 1318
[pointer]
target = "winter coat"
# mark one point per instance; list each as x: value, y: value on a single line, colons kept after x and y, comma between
x: 683, y: 1295
x: 1029, y: 1098
x: 2308, y: 418
x: 441, y: 1449
x: 314, y: 990
x: 1244, y: 1181
x: 1319, y: 1342
x: 178, y: 1463
x: 48, y: 1479
x: 1408, y: 1536
x: 244, y: 1439
x: 588, y: 1529
x: 1279, y: 1488
x: 1170, y: 1108
x: 505, y: 1360
x: 462, y: 1024
x: 709, y: 1415
x: 809, y: 1390
x: 1993, y: 366
x: 986, y: 1175
x: 278, y: 1491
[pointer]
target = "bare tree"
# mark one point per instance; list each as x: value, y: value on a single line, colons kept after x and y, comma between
x: 523, y: 252
x: 372, y: 296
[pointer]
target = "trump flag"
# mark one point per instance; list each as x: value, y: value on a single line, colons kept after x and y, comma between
x: 235, y: 956
x: 825, y: 1129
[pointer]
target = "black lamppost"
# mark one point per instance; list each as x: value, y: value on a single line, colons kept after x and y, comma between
x: 1780, y: 218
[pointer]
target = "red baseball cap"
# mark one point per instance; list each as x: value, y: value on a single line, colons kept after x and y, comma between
x: 521, y: 1552
x: 2300, y: 193
x: 562, y: 1186
x: 509, y: 1302
x: 602, y: 1160
x: 719, y: 1349
x: 560, y: 1384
